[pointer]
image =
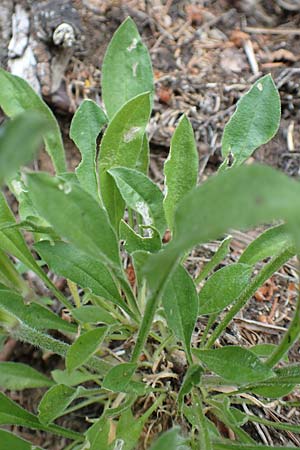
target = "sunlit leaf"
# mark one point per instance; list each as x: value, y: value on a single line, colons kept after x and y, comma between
x: 126, y: 68
x: 255, y: 121
x: 142, y: 195
x: 181, y: 168
x: 121, y: 146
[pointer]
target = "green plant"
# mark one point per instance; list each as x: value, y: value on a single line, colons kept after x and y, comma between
x: 86, y: 224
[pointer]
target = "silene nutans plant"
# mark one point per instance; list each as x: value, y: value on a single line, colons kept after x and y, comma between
x: 132, y: 355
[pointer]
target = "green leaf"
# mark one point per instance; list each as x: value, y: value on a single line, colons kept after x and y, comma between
x: 134, y: 242
x: 285, y: 382
x: 215, y: 259
x: 129, y: 430
x: 255, y: 121
x: 18, y: 376
x: 126, y: 68
x: 86, y: 125
x: 142, y: 195
x: 79, y: 218
x: 54, y: 402
x: 180, y: 302
x: 264, y: 350
x: 97, y: 435
x: 33, y: 314
x: 67, y: 261
x: 223, y: 287
x: 119, y: 377
x: 92, y: 314
x: 239, y: 446
x: 16, y: 97
x: 181, y: 167
x: 84, y: 347
x: 73, y: 378
x: 270, y: 243
x: 19, y: 140
x: 212, y: 209
x: 170, y: 439
x: 9, y: 441
x: 12, y: 414
x: 244, y: 367
x: 142, y: 164
x: 121, y: 146
x: 191, y: 378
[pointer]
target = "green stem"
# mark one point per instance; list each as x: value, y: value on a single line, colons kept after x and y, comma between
x: 74, y: 292
x: 69, y: 434
x: 12, y: 276
x: 276, y: 425
x: 135, y: 314
x: 211, y: 320
x: 204, y: 438
x: 46, y: 342
x: 150, y: 309
x: 266, y: 272
x: 215, y: 260
x: 288, y: 340
x: 84, y: 403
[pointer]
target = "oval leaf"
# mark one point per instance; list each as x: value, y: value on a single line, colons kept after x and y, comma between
x: 181, y: 168
x: 86, y: 125
x: 223, y: 287
x: 69, y: 262
x: 18, y: 376
x: 119, y: 377
x: 54, y: 402
x: 270, y: 243
x: 10, y: 441
x: 121, y: 146
x: 244, y: 367
x: 180, y: 302
x: 17, y: 96
x: 142, y: 195
x: 78, y: 218
x: 255, y: 121
x: 126, y: 68
x: 84, y: 347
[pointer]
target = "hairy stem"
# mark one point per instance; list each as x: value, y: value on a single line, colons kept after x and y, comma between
x: 46, y: 342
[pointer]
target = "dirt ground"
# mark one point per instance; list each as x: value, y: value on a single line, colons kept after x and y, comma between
x: 205, y: 55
